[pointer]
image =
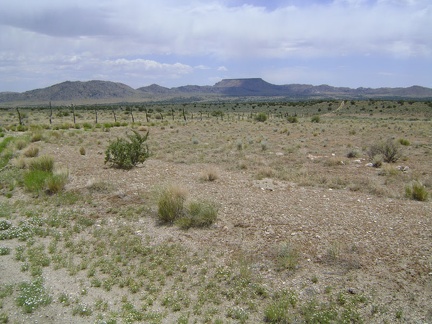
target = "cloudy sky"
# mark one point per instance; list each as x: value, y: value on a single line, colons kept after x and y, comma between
x: 354, y: 43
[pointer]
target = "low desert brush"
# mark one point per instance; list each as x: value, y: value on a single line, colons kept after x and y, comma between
x: 127, y: 153
x: 389, y: 150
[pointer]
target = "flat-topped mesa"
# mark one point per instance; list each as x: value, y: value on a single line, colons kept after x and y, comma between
x: 248, y: 82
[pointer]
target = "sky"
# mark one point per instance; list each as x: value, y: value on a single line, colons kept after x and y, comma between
x: 352, y: 43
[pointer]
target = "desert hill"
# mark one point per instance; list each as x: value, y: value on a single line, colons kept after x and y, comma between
x: 97, y: 91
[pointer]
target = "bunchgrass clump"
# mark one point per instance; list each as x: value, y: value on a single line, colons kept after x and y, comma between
x: 21, y: 143
x: 33, y: 295
x: 210, y: 174
x: 57, y: 181
x: 416, y: 191
x: 171, y: 204
x: 32, y: 151
x: 43, y: 163
x: 35, y: 180
x: 287, y: 257
x: 198, y: 214
x: 279, y: 310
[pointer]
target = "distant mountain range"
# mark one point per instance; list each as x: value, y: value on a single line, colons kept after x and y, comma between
x: 228, y: 89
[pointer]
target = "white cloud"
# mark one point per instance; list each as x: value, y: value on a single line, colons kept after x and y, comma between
x: 84, y: 38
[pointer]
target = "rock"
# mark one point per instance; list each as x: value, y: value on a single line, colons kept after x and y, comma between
x: 369, y: 164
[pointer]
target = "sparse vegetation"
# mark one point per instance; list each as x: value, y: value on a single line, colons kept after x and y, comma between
x: 33, y: 295
x: 297, y: 231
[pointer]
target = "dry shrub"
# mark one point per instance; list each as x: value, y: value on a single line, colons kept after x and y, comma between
x: 56, y: 182
x: 32, y: 151
x: 20, y: 144
x: 265, y: 172
x: 210, y: 174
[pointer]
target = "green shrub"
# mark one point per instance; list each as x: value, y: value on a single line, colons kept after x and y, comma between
x: 416, y: 191
x: 171, y: 204
x: 198, y: 214
x: 261, y: 117
x: 404, y: 142
x: 126, y: 154
x: 43, y: 163
x: 315, y: 119
x: 389, y: 150
x: 292, y: 119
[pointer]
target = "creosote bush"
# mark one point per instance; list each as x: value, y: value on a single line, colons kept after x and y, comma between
x: 127, y: 153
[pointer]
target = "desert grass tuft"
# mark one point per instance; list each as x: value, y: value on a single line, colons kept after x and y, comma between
x: 171, y: 204
x: 287, y: 257
x: 198, y: 214
x: 57, y: 181
x: 209, y: 174
x: 416, y: 191
x: 32, y: 151
x: 43, y: 163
